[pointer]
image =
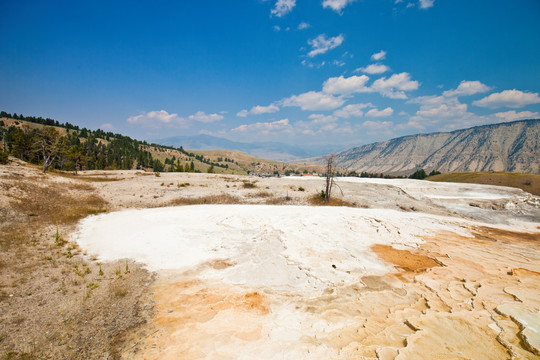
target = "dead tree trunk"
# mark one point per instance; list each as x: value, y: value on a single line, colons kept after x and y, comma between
x: 330, y: 159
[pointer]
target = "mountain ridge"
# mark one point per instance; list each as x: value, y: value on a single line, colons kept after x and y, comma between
x: 512, y: 146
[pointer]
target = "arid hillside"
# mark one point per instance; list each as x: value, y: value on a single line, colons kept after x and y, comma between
x: 512, y: 147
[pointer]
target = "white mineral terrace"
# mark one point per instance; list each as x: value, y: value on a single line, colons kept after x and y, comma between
x: 301, y: 282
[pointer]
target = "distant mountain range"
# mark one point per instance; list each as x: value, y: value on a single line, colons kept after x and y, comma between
x: 512, y: 146
x: 267, y: 150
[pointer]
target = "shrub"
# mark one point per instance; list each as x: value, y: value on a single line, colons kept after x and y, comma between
x: 249, y: 185
x: 419, y: 175
x: 3, y: 157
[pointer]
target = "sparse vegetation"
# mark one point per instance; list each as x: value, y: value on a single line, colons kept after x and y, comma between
x: 47, y: 282
x: 319, y: 199
x: 249, y: 184
x: 527, y: 182
x: 419, y: 175
x: 211, y: 199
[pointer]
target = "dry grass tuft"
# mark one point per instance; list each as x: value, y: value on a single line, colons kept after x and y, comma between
x: 261, y: 194
x: 249, y: 184
x: 318, y: 200
x: 49, y: 203
x: 100, y: 177
x: 278, y: 200
x: 527, y: 182
x: 210, y: 199
x: 46, y: 284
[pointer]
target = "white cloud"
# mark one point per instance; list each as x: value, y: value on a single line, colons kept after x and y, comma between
x: 343, y: 85
x: 258, y: 109
x: 322, y: 119
x: 201, y: 116
x: 314, y: 101
x: 336, y: 5
x: 374, y: 69
x: 437, y: 107
x: 381, y: 55
x: 339, y: 63
x: 425, y: 4
x: 353, y: 110
x: 321, y: 44
x: 508, y: 98
x: 380, y: 113
x: 303, y: 25
x: 513, y: 115
x: 277, y: 28
x: 242, y: 113
x: 467, y: 88
x: 156, y: 119
x: 283, y: 7
x: 395, y: 86
x: 266, y: 128
x: 313, y: 65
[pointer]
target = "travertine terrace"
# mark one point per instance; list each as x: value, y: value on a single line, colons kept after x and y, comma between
x: 411, y: 269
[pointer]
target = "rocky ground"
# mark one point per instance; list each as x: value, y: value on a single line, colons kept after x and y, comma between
x: 402, y: 269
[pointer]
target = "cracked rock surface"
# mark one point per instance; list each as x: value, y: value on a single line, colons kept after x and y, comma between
x: 447, y: 281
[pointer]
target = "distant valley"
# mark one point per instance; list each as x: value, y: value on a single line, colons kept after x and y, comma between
x: 267, y: 150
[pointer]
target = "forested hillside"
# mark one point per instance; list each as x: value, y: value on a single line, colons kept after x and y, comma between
x: 68, y: 147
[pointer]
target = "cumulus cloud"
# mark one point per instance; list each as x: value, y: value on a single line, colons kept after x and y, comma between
x: 303, y: 25
x: 265, y: 128
x: 156, y: 119
x: 381, y: 55
x: 201, y: 116
x: 336, y: 5
x: 343, y: 85
x: 513, y: 115
x: 242, y: 113
x: 314, y: 101
x: 380, y: 113
x: 322, y: 119
x: 437, y: 107
x: 353, y: 110
x: 321, y: 44
x: 395, y: 86
x: 467, y: 88
x: 283, y: 7
x: 374, y: 69
x: 425, y: 4
x: 508, y: 98
x: 258, y: 109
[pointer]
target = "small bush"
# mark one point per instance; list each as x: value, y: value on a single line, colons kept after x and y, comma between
x: 301, y: 189
x: 4, y: 158
x: 318, y: 200
x: 419, y: 175
x: 249, y: 185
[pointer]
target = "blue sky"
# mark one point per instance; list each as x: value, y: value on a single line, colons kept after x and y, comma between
x: 297, y: 71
